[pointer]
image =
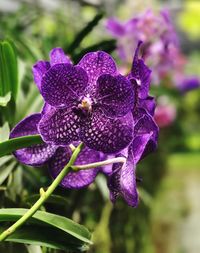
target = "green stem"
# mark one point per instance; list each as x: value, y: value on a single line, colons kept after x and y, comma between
x: 43, y: 195
x: 98, y: 164
x: 11, y: 145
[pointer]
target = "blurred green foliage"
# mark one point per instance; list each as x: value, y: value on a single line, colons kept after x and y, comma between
x: 189, y: 18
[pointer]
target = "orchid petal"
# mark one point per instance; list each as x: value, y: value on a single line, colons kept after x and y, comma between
x: 57, y: 56
x: 62, y: 84
x: 105, y: 134
x: 114, y: 95
x: 59, y: 126
x: 36, y: 155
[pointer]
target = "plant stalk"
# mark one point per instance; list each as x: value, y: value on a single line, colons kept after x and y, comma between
x: 43, y: 195
x: 98, y: 164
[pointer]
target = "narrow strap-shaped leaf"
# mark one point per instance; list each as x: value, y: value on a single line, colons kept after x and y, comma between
x: 52, y: 220
x: 5, y: 159
x: 11, y: 145
x: 4, y: 132
x: 48, y: 237
x: 6, y: 170
x: 84, y: 32
x: 8, y: 69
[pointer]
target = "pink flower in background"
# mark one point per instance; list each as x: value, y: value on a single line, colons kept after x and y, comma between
x: 165, y: 112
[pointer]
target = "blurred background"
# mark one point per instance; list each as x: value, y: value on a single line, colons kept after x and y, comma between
x: 168, y: 217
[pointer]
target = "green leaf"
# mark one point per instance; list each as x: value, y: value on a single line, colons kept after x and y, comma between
x: 84, y: 32
x: 4, y: 132
x: 15, y: 184
x: 28, y: 104
x: 4, y: 100
x: 48, y: 237
x: 11, y: 145
x: 8, y: 69
x: 5, y: 171
x: 51, y: 221
x: 5, y: 159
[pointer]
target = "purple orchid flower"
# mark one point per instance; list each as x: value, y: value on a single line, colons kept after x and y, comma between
x: 122, y: 180
x: 90, y: 102
x: 122, y: 177
x: 103, y: 115
x: 145, y: 129
x: 159, y: 40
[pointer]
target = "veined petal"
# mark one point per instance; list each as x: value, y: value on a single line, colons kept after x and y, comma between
x: 139, y: 145
x: 39, y: 69
x: 107, y: 135
x: 146, y: 136
x: 59, y: 126
x: 148, y: 104
x: 46, y: 108
x: 114, y: 95
x: 75, y: 180
x: 62, y: 84
x: 96, y: 64
x: 141, y: 73
x: 122, y: 182
x: 57, y: 56
x: 36, y: 155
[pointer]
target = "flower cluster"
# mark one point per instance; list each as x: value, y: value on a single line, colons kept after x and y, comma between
x: 91, y: 102
x: 161, y: 48
x: 158, y: 35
